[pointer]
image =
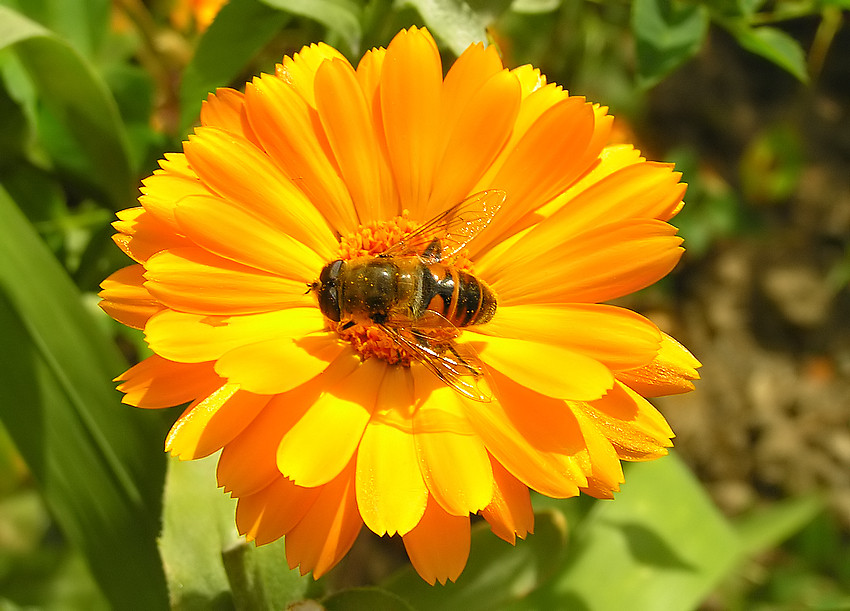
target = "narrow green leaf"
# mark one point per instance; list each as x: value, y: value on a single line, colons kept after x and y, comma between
x: 772, y: 44
x: 77, y: 98
x: 340, y: 16
x: 208, y: 565
x: 660, y: 544
x: 98, y: 463
x: 83, y: 23
x: 767, y: 528
x: 240, y: 29
x: 667, y: 34
x: 496, y: 574
x: 453, y: 21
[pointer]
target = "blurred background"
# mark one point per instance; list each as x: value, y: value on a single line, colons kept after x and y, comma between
x: 749, y: 98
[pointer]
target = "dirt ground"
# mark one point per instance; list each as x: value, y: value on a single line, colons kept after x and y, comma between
x: 765, y: 308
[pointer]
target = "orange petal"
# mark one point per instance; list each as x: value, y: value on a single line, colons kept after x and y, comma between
x: 474, y: 140
x: 439, y: 545
x: 510, y: 513
x: 347, y: 121
x: 270, y: 513
x: 391, y: 494
x: 276, y: 365
x: 226, y: 109
x: 286, y: 127
x: 299, y: 71
x: 543, y: 367
x: 212, y: 423
x: 143, y: 235
x: 126, y: 299
x: 156, y: 382
x: 615, y: 336
x: 598, y: 265
x: 162, y: 190
x: 237, y: 170
x: 195, y: 280
x: 453, y: 458
x: 534, y: 437
x: 193, y: 338
x: 227, y: 230
x: 605, y: 474
x: 630, y: 422
x: 669, y: 373
x: 411, y: 81
x: 326, y: 532
x: 322, y: 442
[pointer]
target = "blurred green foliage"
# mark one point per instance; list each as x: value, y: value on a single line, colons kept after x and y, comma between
x: 92, y: 92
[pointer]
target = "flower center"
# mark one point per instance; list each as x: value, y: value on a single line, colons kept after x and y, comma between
x: 369, y: 339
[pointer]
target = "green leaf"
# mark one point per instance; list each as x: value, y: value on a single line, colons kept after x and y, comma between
x: 240, y: 29
x: 365, y: 599
x: 340, y: 16
x: 453, y: 21
x: 764, y: 529
x: 98, y: 464
x: 772, y: 44
x: 497, y: 573
x: 82, y: 23
x: 660, y: 544
x: 208, y: 565
x: 73, y: 93
x: 667, y: 34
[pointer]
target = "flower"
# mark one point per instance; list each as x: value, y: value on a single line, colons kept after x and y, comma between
x: 319, y: 432
x: 200, y: 12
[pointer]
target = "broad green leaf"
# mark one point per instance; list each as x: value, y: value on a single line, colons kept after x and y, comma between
x: 761, y: 530
x: 496, y: 574
x: 82, y: 23
x: 340, y: 16
x: 667, y: 34
x: 660, y: 544
x: 452, y: 21
x: 76, y: 97
x: 772, y: 44
x: 98, y: 463
x: 240, y: 29
x: 365, y: 599
x: 208, y: 565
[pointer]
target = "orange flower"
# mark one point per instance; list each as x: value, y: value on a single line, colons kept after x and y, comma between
x: 200, y: 12
x: 319, y: 432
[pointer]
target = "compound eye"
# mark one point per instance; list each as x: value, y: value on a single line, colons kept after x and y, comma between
x: 330, y: 272
x: 328, y: 293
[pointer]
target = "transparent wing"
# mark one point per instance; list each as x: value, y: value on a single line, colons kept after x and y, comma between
x: 458, y: 365
x: 453, y: 228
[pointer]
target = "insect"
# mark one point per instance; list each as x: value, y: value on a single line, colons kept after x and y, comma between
x: 418, y: 299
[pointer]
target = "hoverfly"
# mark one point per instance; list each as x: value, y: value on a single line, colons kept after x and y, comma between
x: 415, y: 298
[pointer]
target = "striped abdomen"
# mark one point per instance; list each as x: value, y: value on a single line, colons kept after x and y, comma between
x: 460, y: 297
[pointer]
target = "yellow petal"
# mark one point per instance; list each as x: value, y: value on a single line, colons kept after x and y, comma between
x: 439, y: 545
x: 411, y: 81
x: 212, y: 423
x: 226, y: 109
x: 277, y: 365
x: 326, y: 532
x: 453, y: 458
x: 227, y: 230
x: 156, y: 382
x: 391, y: 494
x: 347, y: 121
x: 630, y: 422
x: 669, y: 373
x: 126, y: 299
x: 320, y: 444
x: 195, y: 280
x: 193, y: 338
x: 270, y: 513
x: 616, y: 337
x: 299, y: 70
x: 534, y: 437
x: 237, y: 170
x: 510, y: 513
x: 601, y: 264
x: 605, y: 473
x: 285, y: 125
x: 143, y: 235
x: 545, y: 368
x: 162, y: 190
